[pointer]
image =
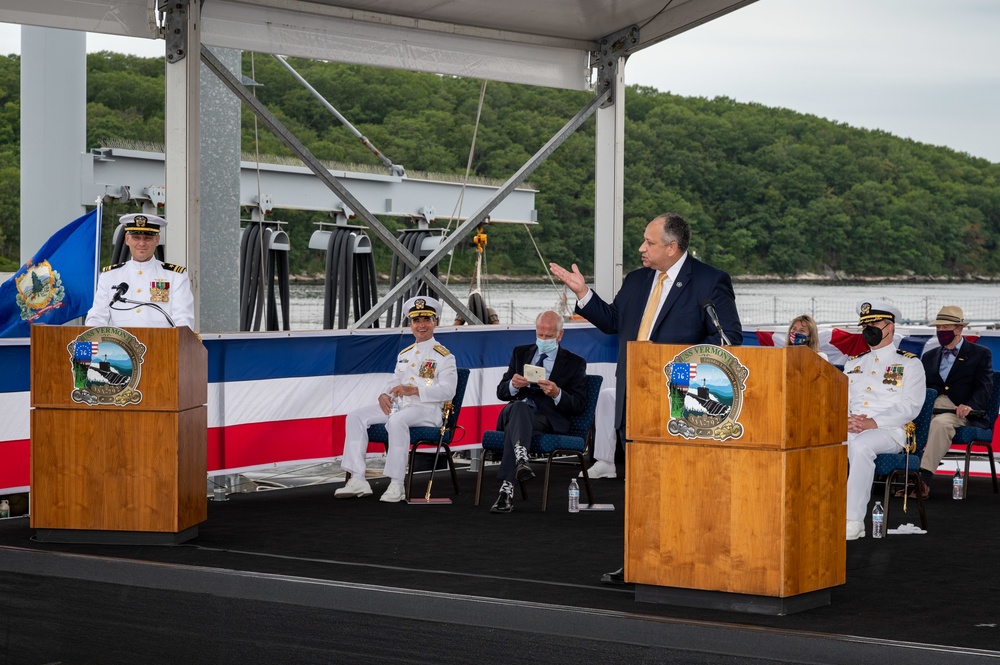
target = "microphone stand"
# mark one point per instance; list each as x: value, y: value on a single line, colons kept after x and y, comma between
x: 712, y: 314
x: 138, y: 303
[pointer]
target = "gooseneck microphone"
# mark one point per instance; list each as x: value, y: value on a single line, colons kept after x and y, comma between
x: 709, y: 307
x: 120, y: 290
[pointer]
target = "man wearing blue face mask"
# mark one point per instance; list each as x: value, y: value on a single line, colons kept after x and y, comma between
x: 962, y: 374
x: 538, y: 404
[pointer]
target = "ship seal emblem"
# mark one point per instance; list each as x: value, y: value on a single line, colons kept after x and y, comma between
x: 106, y: 364
x: 705, y: 384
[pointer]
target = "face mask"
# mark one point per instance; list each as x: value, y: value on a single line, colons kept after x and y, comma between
x: 945, y: 337
x: 546, y: 345
x: 872, y: 335
x: 798, y: 339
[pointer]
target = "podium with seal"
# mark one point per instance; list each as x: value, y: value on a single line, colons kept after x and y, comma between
x: 736, y: 477
x: 118, y: 434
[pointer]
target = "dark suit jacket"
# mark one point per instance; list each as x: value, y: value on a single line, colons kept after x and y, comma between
x: 682, y: 319
x: 970, y: 380
x: 569, y: 372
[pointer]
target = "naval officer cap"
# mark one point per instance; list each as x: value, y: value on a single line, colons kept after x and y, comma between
x: 142, y: 224
x: 421, y: 306
x: 870, y: 311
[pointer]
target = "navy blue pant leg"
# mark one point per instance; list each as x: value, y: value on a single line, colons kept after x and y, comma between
x: 518, y: 422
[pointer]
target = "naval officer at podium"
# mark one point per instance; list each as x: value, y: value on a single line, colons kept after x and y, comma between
x: 142, y: 279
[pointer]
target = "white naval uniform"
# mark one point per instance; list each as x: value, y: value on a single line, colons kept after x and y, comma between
x: 424, y: 409
x: 138, y: 276
x: 605, y: 438
x: 888, y: 386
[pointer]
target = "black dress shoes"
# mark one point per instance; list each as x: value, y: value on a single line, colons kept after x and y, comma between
x: 523, y: 472
x: 504, y: 504
x: 616, y: 578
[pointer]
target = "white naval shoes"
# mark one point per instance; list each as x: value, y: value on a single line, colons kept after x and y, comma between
x: 601, y: 469
x: 855, y: 529
x: 394, y: 494
x: 355, y: 487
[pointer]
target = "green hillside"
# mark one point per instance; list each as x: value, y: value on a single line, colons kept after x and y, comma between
x: 768, y: 191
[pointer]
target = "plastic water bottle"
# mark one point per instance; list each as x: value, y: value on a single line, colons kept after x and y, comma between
x: 877, y: 520
x: 574, y: 496
x: 4, y: 509
x: 957, y: 484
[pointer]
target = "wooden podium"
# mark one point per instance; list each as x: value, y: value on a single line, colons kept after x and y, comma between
x: 131, y: 471
x: 754, y: 523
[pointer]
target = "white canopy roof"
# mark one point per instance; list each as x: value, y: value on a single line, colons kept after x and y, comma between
x: 539, y: 42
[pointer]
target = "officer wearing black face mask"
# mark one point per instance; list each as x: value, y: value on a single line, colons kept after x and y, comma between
x: 962, y: 373
x: 886, y: 390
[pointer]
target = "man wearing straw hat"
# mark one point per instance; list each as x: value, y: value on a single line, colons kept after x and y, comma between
x: 962, y: 374
x: 425, y: 378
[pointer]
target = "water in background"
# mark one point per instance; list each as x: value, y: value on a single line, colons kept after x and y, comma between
x: 759, y: 304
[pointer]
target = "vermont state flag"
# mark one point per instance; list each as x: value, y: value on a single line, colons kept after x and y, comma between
x: 57, y: 284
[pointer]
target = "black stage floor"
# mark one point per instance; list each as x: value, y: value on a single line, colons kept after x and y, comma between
x: 297, y: 576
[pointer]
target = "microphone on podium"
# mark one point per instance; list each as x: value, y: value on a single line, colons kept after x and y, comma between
x: 709, y: 307
x: 120, y: 290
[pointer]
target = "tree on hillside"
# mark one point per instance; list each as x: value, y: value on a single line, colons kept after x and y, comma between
x: 767, y: 191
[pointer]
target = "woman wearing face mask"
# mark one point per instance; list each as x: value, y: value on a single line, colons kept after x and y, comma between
x: 803, y: 332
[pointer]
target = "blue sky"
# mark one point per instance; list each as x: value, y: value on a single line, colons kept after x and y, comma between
x: 928, y: 70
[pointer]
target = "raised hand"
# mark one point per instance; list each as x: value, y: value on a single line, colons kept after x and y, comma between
x: 574, y: 280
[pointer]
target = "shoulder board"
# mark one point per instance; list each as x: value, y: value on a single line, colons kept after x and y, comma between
x: 408, y: 348
x: 859, y: 355
x: 175, y: 268
x: 906, y: 354
x: 115, y: 266
x: 443, y: 351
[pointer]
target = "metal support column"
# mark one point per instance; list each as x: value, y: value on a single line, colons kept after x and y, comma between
x: 183, y: 136
x: 53, y: 131
x: 609, y: 169
x: 220, y: 200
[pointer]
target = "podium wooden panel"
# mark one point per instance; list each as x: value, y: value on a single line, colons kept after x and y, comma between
x: 109, y: 473
x: 759, y: 516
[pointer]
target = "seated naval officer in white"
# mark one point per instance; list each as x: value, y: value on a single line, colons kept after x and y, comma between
x: 147, y: 280
x: 886, y: 388
x: 425, y: 378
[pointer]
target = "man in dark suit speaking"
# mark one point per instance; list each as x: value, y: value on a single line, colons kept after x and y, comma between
x: 545, y: 385
x: 670, y: 300
x: 669, y: 294
x: 962, y: 374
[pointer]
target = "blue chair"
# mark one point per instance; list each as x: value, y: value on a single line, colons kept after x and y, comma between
x: 430, y: 435
x: 573, y: 443
x: 982, y: 437
x: 902, y: 468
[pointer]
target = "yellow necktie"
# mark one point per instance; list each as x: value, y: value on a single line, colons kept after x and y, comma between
x: 654, y: 301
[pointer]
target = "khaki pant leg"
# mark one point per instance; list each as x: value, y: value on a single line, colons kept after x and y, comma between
x: 942, y: 431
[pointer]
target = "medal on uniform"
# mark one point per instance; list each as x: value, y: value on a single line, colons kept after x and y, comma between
x: 893, y: 375
x: 427, y: 372
x: 159, y: 291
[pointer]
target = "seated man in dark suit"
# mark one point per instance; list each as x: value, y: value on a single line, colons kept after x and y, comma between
x: 962, y: 374
x: 545, y: 405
